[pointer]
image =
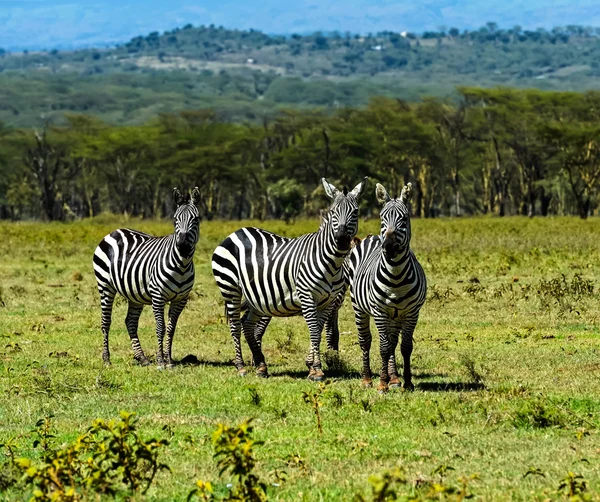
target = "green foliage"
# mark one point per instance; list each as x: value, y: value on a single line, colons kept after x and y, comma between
x: 234, y: 451
x: 559, y: 287
x: 384, y: 487
x: 497, y: 151
x: 573, y: 486
x: 287, y: 199
x: 119, y: 450
x: 538, y: 414
x: 109, y: 457
x: 202, y: 492
x: 314, y: 399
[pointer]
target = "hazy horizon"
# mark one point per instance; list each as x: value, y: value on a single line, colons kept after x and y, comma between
x: 48, y: 24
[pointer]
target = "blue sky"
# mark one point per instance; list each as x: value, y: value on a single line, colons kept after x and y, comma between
x: 63, y: 23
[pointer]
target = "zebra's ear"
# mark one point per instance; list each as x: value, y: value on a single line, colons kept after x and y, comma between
x: 177, y: 196
x: 360, y: 188
x: 406, y: 194
x: 330, y: 190
x: 196, y: 197
x: 381, y: 193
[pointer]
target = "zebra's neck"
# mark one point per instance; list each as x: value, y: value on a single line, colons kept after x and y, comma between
x: 327, y: 246
x: 394, y: 268
x: 180, y: 261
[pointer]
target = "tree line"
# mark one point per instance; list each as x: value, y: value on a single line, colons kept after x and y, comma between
x: 494, y: 151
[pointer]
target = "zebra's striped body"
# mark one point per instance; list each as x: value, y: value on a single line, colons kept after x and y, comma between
x: 277, y: 277
x: 149, y: 270
x: 387, y: 283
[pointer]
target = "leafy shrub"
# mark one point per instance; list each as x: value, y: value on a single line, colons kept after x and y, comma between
x: 109, y: 458
x: 314, y: 399
x: 560, y: 287
x: 574, y: 486
x: 537, y: 414
x: 234, y: 451
x: 287, y: 199
x: 384, y: 487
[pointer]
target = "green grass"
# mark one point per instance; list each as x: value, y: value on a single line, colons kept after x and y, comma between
x: 506, y: 368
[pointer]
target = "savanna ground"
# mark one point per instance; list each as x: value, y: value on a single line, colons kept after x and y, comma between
x: 506, y: 365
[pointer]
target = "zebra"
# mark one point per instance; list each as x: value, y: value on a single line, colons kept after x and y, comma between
x: 274, y: 276
x: 332, y: 332
x: 387, y: 283
x: 149, y: 270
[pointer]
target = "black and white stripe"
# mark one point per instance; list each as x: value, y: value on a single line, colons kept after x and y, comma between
x: 387, y: 283
x: 274, y: 276
x: 149, y: 270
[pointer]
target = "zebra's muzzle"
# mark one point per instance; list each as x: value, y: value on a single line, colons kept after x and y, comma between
x: 343, y: 239
x: 391, y: 245
x: 183, y: 245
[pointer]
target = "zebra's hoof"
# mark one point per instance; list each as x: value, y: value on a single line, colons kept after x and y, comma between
x: 160, y: 367
x: 170, y: 366
x: 367, y: 382
x: 382, y: 388
x: 143, y: 362
x: 262, y: 371
x: 316, y: 375
x: 242, y: 372
x: 107, y: 362
x: 394, y: 383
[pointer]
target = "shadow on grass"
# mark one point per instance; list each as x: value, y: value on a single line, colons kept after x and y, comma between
x: 303, y: 374
x: 192, y: 360
x: 450, y: 386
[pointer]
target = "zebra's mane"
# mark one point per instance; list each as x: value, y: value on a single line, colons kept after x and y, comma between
x: 324, y: 215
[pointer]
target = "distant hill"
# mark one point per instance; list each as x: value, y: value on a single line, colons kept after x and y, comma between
x: 247, y: 75
x: 48, y: 24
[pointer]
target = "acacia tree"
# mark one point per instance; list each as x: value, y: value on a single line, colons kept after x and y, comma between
x: 51, y: 166
x: 452, y: 137
x: 579, y: 158
x: 515, y: 123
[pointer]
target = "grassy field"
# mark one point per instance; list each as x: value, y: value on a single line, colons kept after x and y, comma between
x: 506, y: 366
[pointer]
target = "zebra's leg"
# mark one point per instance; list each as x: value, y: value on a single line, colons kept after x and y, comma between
x: 385, y: 350
x: 158, y: 307
x: 392, y: 369
x: 235, y: 326
x: 315, y: 321
x: 132, y: 320
x: 332, y: 331
x: 107, y: 298
x: 174, y: 312
x: 406, y: 348
x: 250, y: 321
x: 261, y: 327
x: 364, y: 340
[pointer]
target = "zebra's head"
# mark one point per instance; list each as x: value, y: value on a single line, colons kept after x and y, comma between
x: 186, y: 221
x: 395, y: 220
x: 343, y: 212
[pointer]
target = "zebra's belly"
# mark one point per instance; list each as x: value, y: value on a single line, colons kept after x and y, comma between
x: 136, y: 293
x: 287, y: 306
x: 170, y: 287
